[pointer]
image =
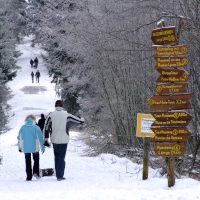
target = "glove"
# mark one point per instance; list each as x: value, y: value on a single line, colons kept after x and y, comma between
x: 43, y: 150
x: 47, y: 144
x: 83, y: 120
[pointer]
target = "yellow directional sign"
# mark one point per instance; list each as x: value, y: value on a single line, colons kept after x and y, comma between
x: 164, y: 35
x: 170, y: 150
x: 171, y: 119
x: 171, y: 75
x: 170, y: 62
x: 170, y: 50
x: 167, y: 102
x: 171, y: 88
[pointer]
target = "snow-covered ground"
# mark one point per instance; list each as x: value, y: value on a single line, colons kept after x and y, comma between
x: 105, y: 177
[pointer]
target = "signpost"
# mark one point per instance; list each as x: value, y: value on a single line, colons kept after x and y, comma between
x: 175, y: 102
x: 177, y: 119
x: 171, y: 138
x: 170, y: 131
x: 164, y: 62
x: 170, y: 75
x: 170, y: 126
x: 170, y: 50
x: 164, y: 35
x: 171, y: 88
x: 168, y: 134
x: 170, y: 149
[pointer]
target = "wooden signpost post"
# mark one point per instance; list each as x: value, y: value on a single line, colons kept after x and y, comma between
x: 170, y: 121
x: 144, y: 122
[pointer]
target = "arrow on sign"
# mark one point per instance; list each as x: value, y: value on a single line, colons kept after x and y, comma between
x: 171, y: 138
x: 171, y: 88
x: 170, y: 150
x: 171, y: 131
x: 165, y: 35
x: 171, y: 50
x: 164, y: 62
x: 169, y: 75
x: 171, y: 118
x: 175, y: 102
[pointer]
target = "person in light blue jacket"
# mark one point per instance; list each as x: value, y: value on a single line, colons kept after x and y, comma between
x: 30, y: 140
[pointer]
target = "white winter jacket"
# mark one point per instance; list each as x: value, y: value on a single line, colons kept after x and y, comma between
x: 58, y: 123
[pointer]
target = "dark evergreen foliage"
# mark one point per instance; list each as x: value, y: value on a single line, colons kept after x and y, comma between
x: 11, y: 26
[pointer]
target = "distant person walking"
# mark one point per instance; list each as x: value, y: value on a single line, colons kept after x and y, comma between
x: 35, y: 62
x: 57, y: 124
x: 32, y: 76
x: 31, y: 62
x: 29, y: 138
x: 37, y: 75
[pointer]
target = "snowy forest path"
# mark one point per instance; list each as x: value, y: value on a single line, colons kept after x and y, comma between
x: 85, y: 176
x: 27, y: 98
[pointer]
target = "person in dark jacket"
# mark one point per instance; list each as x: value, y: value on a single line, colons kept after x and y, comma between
x: 30, y: 141
x: 32, y: 76
x: 31, y: 62
x: 41, y: 122
x: 37, y: 75
x: 57, y: 124
x: 35, y: 62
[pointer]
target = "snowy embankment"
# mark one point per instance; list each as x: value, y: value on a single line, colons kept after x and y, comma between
x: 106, y: 177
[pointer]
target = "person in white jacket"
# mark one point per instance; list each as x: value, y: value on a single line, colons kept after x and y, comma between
x: 57, y: 125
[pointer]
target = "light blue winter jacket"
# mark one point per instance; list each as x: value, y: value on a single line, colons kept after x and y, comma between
x: 30, y: 137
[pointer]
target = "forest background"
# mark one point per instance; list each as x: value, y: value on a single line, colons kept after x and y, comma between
x: 100, y: 55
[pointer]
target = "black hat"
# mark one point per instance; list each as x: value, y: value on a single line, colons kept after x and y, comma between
x: 59, y: 103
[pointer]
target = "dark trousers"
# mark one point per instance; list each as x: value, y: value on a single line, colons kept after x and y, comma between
x: 59, y: 156
x: 29, y: 165
x: 37, y: 79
